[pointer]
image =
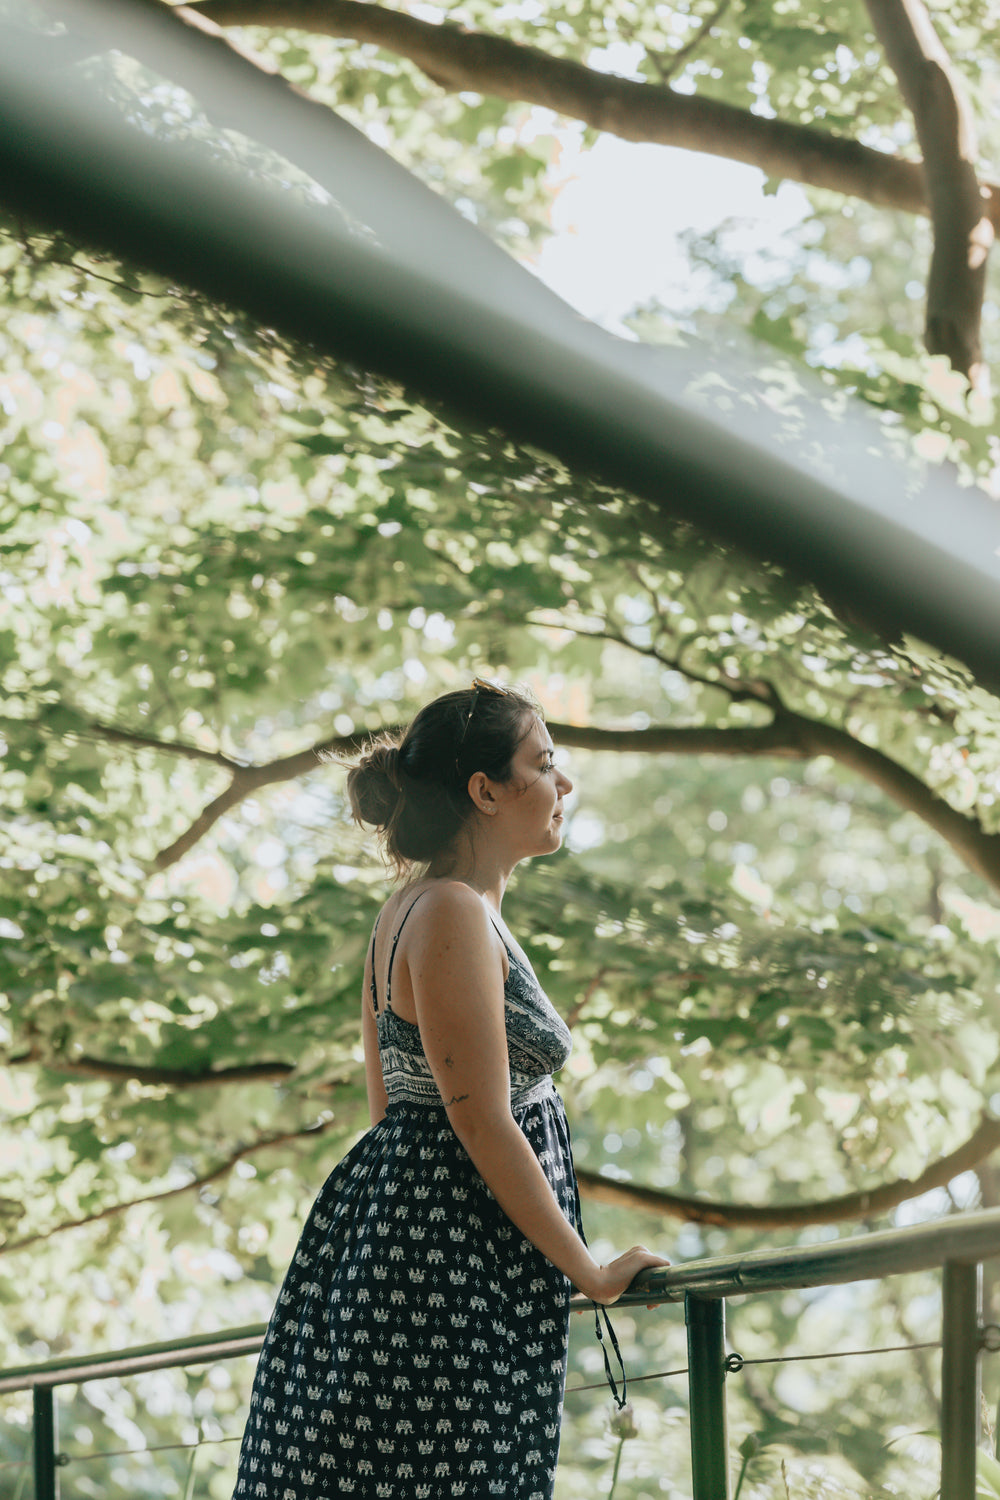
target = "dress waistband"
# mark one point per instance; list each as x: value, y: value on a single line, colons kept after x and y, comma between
x: 532, y: 1092
x: 423, y: 1092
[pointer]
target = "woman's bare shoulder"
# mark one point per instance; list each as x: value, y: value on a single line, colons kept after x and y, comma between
x: 451, y: 919
x: 435, y: 905
x: 443, y: 902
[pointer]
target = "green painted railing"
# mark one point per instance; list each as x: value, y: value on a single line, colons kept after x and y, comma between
x: 42, y: 1380
x: 958, y: 1245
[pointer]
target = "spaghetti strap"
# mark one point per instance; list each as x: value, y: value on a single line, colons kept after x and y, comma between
x: 392, y: 951
x: 499, y: 931
x: 372, y: 971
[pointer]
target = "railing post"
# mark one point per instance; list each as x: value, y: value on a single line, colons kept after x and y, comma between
x: 705, y: 1319
x: 960, y: 1350
x: 44, y: 1432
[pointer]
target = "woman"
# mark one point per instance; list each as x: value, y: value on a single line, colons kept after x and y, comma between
x: 418, y: 1345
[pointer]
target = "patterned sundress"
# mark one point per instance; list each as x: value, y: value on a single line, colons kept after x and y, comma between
x: 417, y: 1348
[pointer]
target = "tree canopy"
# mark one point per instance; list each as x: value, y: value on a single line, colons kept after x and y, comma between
x: 883, y: 104
x: 774, y: 928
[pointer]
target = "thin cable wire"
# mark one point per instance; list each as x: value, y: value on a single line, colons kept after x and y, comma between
x: 632, y: 1380
x: 794, y: 1359
x: 77, y: 1458
x: 778, y: 1359
x: 571, y: 1390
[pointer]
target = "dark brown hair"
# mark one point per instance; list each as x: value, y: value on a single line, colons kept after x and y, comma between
x: 414, y: 788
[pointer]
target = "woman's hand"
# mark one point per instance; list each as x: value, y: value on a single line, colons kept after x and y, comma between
x: 612, y: 1280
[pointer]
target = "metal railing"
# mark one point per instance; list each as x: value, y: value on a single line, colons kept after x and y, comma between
x: 958, y: 1245
x: 42, y: 1380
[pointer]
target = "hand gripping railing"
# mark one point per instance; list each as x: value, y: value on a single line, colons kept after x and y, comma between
x: 959, y: 1245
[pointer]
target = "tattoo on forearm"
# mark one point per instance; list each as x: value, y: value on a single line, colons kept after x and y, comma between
x: 455, y: 1099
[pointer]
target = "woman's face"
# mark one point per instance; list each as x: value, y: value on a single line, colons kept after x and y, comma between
x: 531, y: 803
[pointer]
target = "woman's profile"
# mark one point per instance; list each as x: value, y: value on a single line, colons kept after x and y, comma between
x: 418, y: 1344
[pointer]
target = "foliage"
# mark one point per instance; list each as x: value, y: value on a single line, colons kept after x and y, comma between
x: 219, y: 550
x: 847, y: 288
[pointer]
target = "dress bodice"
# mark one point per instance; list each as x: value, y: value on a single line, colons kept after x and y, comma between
x: 538, y: 1043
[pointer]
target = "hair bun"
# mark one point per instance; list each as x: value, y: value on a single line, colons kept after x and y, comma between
x: 374, y: 785
x: 384, y: 759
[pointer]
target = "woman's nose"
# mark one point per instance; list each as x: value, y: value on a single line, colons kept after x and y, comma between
x: 565, y: 783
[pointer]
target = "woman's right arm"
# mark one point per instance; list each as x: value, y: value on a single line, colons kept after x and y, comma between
x: 456, y: 974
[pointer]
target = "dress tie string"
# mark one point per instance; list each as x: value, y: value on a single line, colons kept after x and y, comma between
x: 599, y: 1312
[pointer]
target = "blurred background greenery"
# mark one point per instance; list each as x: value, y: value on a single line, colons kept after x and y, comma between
x: 774, y: 924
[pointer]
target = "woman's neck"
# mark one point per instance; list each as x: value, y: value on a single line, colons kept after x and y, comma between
x: 488, y: 877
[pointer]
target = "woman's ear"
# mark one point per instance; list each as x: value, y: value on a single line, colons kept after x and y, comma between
x: 481, y: 791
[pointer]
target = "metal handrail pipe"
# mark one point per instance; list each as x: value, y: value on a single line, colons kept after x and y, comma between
x: 963, y: 1239
x: 199, y: 1348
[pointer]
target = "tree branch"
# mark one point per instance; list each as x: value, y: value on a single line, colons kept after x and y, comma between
x: 598, y: 1189
x: 193, y: 1186
x: 736, y: 690
x: 457, y: 59
x: 764, y: 740
x: 249, y: 779
x: 671, y: 66
x: 978, y: 849
x: 173, y: 293
x: 595, y: 984
x: 789, y: 735
x: 963, y: 231
x: 984, y: 1140
x: 150, y: 742
x: 797, y: 737
x: 93, y: 729
x: 181, y: 1078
